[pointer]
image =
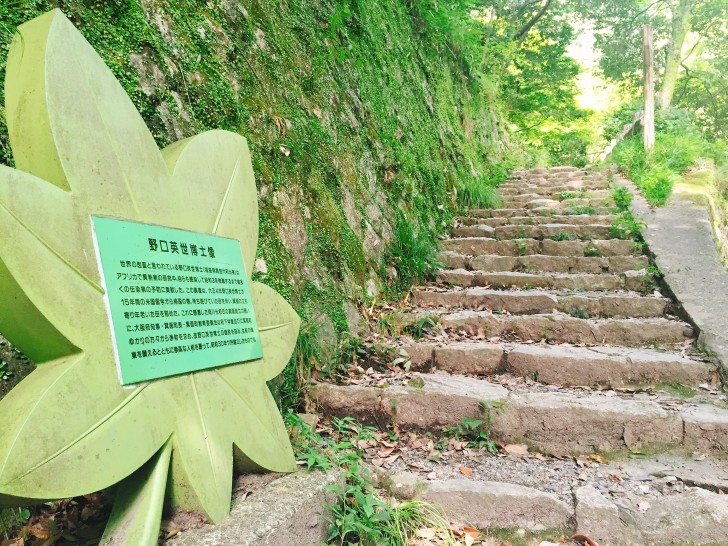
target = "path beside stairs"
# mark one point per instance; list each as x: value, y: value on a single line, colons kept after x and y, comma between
x: 555, y: 335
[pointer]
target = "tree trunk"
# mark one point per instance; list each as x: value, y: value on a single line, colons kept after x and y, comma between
x: 648, y: 117
x: 680, y: 26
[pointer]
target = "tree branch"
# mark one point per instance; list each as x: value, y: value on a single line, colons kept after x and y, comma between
x: 521, y: 34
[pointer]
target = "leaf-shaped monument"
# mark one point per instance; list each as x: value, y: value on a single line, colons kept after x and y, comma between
x: 82, y: 149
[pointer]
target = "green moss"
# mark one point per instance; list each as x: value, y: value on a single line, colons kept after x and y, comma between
x: 358, y: 98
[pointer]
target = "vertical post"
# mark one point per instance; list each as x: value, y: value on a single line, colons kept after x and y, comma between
x: 648, y: 119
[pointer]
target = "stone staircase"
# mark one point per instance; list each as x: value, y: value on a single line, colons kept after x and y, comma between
x: 556, y: 336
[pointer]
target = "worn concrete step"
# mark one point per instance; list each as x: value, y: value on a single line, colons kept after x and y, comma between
x: 526, y: 196
x: 564, y: 365
x: 553, y: 231
x: 559, y: 206
x: 539, y: 211
x: 567, y: 422
x: 540, y: 262
x: 556, y: 231
x: 529, y: 302
x: 562, y: 328
x: 543, y: 231
x: 291, y: 509
x: 515, y: 188
x: 476, y: 246
x: 554, y: 180
x: 568, y: 219
x: 637, y: 281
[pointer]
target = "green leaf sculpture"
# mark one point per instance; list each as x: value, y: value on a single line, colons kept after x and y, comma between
x: 70, y: 428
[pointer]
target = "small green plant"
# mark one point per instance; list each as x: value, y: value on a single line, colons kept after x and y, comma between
x: 521, y: 234
x: 473, y: 431
x: 592, y: 251
x: 622, y: 198
x: 563, y: 236
x: 638, y: 248
x: 360, y: 515
x: 426, y: 324
x: 522, y: 248
x: 564, y: 195
x: 5, y: 373
x: 578, y: 312
x: 626, y: 226
x: 11, y: 519
x: 412, y: 253
x: 480, y: 194
x: 582, y: 209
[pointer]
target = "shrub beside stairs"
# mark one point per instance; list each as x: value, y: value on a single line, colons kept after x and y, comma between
x: 563, y: 344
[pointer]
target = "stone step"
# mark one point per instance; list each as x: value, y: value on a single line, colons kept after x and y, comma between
x: 572, y: 185
x: 540, y: 262
x: 568, y: 219
x: 562, y: 423
x: 636, y: 281
x: 562, y: 328
x: 526, y: 196
x: 556, y: 231
x: 539, y: 211
x: 543, y: 231
x: 476, y: 246
x: 554, y: 180
x: 557, y: 205
x: 531, y: 302
x: 564, y: 365
x: 606, y: 504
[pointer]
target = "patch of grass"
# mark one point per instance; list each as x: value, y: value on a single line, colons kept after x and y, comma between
x: 423, y: 325
x: 516, y: 537
x: 578, y: 312
x: 582, y: 209
x: 479, y: 194
x: 677, y: 389
x: 361, y: 515
x: 12, y: 519
x: 563, y: 236
x: 592, y: 251
x: 473, y: 431
x: 622, y: 198
x: 413, y: 255
x: 521, y: 234
x: 626, y: 227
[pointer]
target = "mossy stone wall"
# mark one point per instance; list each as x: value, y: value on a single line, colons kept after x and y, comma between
x: 358, y: 118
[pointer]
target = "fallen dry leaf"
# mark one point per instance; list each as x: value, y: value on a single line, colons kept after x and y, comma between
x: 426, y: 532
x: 598, y: 458
x: 516, y: 449
x: 465, y: 471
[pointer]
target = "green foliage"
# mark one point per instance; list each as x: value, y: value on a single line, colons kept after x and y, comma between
x: 563, y: 236
x: 592, y: 251
x: 12, y: 519
x: 378, y: 354
x: 360, y: 515
x: 421, y: 326
x: 579, y: 312
x: 622, y: 198
x: 626, y: 226
x: 477, y: 194
x: 473, y: 431
x: 413, y: 255
x: 678, y: 146
x: 353, y: 110
x: 582, y: 209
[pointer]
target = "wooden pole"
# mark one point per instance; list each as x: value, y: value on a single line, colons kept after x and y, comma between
x: 648, y: 119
